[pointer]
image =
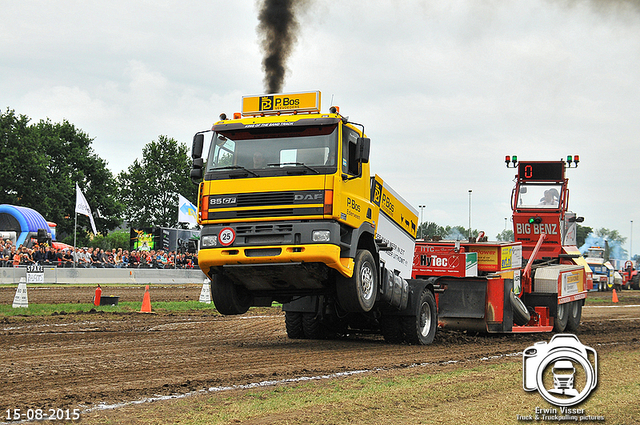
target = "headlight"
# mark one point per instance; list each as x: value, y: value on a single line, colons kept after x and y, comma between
x: 208, y: 241
x: 321, y: 236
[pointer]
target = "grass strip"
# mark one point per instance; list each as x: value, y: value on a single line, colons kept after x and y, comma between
x: 122, y: 307
x: 468, y: 393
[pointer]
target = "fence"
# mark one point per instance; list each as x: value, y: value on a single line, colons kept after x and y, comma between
x: 95, y: 276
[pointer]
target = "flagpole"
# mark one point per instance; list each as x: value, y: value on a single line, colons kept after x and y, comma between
x: 75, y: 235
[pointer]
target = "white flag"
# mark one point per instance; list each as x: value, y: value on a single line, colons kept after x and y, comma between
x: 82, y: 207
x: 186, y: 211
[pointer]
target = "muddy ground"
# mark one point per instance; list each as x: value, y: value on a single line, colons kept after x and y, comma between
x: 92, y: 358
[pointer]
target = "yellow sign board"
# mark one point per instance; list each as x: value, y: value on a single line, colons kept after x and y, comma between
x: 274, y: 103
x: 394, y: 206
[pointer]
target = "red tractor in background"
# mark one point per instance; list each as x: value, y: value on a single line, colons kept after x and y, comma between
x: 630, y: 276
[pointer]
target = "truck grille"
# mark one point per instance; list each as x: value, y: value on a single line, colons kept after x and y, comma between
x: 293, y: 203
x: 264, y: 199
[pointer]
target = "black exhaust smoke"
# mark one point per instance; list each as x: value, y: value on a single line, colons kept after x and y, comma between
x: 278, y: 29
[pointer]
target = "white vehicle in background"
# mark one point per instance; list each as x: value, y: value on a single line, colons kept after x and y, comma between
x: 603, y: 271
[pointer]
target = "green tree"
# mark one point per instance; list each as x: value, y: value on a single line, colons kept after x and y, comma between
x: 149, y: 188
x: 505, y: 236
x: 41, y: 164
x: 581, y: 234
x: 432, y: 230
x: 428, y: 230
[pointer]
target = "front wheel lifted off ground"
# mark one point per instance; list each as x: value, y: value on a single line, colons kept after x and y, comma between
x: 357, y: 294
x: 420, y: 329
x: 228, y: 297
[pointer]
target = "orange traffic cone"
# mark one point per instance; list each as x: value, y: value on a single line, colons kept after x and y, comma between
x: 146, y: 301
x: 614, y: 297
x: 96, y: 297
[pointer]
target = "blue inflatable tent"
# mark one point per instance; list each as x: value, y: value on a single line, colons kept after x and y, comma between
x: 22, y: 220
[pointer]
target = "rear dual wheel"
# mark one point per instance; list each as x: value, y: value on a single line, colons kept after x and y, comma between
x: 420, y: 329
x: 562, y: 317
x: 568, y: 317
x: 575, y: 314
x: 305, y: 326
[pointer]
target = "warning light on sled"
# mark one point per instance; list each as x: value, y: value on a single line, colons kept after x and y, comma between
x: 513, y: 159
x: 573, y: 159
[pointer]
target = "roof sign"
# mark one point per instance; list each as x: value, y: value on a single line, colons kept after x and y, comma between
x: 278, y: 103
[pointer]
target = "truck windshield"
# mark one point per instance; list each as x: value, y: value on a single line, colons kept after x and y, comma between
x: 539, y: 195
x: 273, y: 151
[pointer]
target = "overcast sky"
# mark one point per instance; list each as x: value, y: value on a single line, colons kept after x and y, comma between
x: 445, y: 88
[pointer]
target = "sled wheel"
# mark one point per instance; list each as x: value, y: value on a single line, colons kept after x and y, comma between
x: 562, y: 317
x: 293, y: 323
x: 521, y: 315
x: 357, y: 294
x: 420, y: 329
x: 575, y: 313
x: 228, y: 297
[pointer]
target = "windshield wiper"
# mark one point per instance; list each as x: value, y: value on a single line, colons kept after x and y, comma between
x: 302, y: 164
x: 236, y: 167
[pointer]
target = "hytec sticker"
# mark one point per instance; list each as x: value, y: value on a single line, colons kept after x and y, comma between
x: 226, y: 236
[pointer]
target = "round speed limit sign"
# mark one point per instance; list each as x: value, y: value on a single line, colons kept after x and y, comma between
x: 226, y: 236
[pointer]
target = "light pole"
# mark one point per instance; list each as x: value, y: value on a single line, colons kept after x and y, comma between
x: 421, y: 209
x: 470, y: 214
x: 631, y: 242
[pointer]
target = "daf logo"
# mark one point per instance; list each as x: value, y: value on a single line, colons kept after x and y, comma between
x: 309, y: 197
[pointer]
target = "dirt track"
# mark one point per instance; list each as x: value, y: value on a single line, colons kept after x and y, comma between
x: 81, y: 360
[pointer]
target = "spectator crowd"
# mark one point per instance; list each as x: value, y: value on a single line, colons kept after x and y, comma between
x: 44, y: 255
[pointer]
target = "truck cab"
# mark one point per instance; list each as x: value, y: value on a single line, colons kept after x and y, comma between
x: 290, y: 213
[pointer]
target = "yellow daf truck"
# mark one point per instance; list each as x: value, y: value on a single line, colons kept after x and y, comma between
x: 290, y: 213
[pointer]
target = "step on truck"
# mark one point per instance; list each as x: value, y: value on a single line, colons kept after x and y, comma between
x: 537, y: 283
x: 290, y: 214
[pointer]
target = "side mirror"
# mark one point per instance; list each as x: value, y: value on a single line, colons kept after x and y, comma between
x: 196, y: 146
x: 363, y: 147
x: 196, y: 175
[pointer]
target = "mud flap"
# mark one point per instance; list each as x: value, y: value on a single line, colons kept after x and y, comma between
x: 464, y: 298
x: 462, y: 305
x: 308, y: 304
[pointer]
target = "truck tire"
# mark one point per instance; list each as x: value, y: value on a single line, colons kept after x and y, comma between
x: 228, y: 297
x: 312, y: 326
x: 420, y: 329
x: 293, y: 323
x: 391, y: 329
x: 357, y: 294
x: 575, y: 313
x: 562, y: 317
x: 521, y: 315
